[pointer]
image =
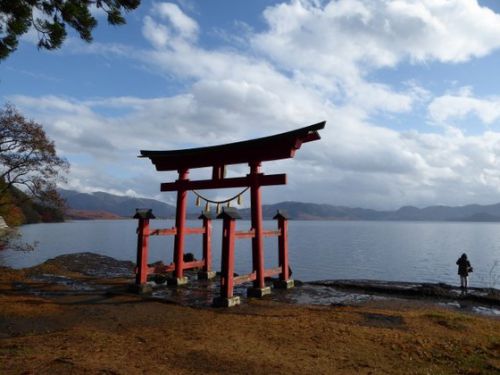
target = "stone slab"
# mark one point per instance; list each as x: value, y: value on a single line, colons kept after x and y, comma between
x: 206, y: 275
x: 258, y: 292
x: 140, y: 289
x: 177, y: 281
x: 226, y: 302
x: 284, y: 284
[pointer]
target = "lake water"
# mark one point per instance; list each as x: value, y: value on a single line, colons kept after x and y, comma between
x: 394, y: 251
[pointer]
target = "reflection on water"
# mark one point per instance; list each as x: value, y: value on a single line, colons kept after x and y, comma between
x: 407, y: 251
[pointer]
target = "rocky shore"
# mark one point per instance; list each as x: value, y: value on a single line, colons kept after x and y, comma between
x: 200, y: 293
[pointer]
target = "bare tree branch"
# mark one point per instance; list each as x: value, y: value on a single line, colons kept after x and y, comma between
x: 29, y: 159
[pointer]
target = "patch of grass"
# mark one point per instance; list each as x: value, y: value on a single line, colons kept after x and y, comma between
x: 14, y: 350
x: 448, y: 320
x: 478, y: 362
x: 494, y: 344
x: 384, y: 321
x: 468, y: 347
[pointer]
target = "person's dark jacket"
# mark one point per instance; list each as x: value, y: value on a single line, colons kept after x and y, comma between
x: 464, y: 266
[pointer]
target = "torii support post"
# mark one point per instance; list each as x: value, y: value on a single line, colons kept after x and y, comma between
x: 259, y: 288
x: 284, y: 282
x: 206, y: 273
x: 141, y: 276
x: 180, y: 224
x: 226, y: 298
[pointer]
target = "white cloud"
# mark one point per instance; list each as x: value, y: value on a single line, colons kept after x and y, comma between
x: 186, y: 26
x: 52, y: 103
x: 341, y: 37
x: 157, y: 34
x: 450, y: 107
x: 177, y: 33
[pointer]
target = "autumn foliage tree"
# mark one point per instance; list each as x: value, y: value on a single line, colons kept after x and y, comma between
x: 29, y: 164
x: 50, y: 18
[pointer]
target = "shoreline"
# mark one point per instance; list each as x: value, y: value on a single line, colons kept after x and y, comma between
x: 101, y: 266
x: 415, y: 289
x: 90, y: 271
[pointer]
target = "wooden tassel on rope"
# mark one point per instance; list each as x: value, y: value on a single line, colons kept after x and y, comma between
x: 240, y: 200
x: 198, y: 201
x: 207, y: 207
x: 229, y: 203
x: 218, y: 208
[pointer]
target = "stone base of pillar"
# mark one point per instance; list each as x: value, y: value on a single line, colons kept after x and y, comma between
x: 258, y: 292
x: 284, y: 284
x: 140, y: 289
x: 206, y: 275
x: 177, y: 281
x: 226, y: 302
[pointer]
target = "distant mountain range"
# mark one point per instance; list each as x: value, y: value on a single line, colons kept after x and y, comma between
x: 104, y: 205
x: 98, y: 205
x: 311, y: 211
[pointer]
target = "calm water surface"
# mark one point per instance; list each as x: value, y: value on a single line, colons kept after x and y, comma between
x: 396, y: 251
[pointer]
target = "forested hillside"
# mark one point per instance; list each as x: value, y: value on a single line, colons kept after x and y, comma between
x: 17, y: 208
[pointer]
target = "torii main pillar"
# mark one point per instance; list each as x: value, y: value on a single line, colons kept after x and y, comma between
x: 259, y: 288
x: 253, y: 153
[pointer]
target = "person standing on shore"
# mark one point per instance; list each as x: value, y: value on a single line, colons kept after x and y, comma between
x: 464, y: 268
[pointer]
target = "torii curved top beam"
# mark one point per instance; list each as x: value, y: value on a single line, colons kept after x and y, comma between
x: 279, y: 146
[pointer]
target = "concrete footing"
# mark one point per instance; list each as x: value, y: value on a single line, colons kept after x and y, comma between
x: 258, y: 292
x: 284, y: 284
x: 206, y: 275
x: 140, y: 289
x: 226, y: 302
x: 177, y: 281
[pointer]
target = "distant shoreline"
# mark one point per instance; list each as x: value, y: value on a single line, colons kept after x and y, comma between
x: 108, y: 216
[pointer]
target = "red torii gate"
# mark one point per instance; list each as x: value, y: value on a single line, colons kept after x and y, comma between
x: 253, y: 153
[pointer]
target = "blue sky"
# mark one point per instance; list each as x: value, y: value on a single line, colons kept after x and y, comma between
x: 409, y: 90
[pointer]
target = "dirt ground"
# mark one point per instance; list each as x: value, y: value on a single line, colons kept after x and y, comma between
x: 97, y: 332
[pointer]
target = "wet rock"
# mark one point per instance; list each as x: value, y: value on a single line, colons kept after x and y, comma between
x: 144, y: 289
x: 159, y: 279
x: 434, y: 290
x: 90, y: 264
x: 338, y: 304
x: 408, y: 289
